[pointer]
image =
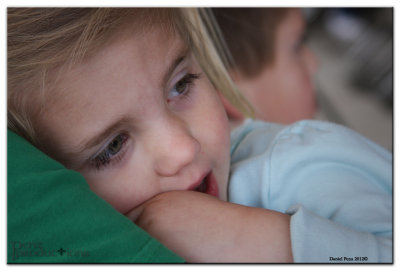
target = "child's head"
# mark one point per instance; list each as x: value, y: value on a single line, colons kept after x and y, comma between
x: 118, y: 95
x: 272, y: 65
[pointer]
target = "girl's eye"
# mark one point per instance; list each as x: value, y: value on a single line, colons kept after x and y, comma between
x: 182, y: 87
x: 111, y: 153
x: 115, y: 146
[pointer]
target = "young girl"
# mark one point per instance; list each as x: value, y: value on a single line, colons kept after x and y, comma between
x: 127, y: 98
x: 272, y: 65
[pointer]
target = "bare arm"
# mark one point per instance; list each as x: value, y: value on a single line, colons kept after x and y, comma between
x: 201, y: 228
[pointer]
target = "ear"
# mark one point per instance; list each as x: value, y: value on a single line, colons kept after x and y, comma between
x: 233, y: 113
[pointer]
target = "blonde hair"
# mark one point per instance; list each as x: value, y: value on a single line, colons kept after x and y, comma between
x: 213, y: 56
x: 42, y: 39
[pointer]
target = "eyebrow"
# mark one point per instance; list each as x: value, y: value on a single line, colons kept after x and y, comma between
x: 124, y: 122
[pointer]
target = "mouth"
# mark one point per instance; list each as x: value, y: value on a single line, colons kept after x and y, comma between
x: 208, y: 185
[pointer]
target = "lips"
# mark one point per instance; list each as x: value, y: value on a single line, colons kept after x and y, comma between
x: 202, y: 187
x: 208, y: 185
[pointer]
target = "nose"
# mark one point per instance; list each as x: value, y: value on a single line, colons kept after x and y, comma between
x: 175, y: 147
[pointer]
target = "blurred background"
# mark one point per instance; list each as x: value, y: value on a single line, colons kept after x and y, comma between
x: 354, y: 80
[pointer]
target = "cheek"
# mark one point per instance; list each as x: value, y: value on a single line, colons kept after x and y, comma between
x: 123, y: 188
x: 218, y: 123
x: 293, y: 78
x: 210, y: 112
x: 303, y: 88
x: 211, y: 128
x: 218, y: 132
x: 302, y: 76
x: 300, y: 92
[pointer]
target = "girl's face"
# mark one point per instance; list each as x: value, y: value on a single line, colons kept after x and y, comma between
x: 140, y: 118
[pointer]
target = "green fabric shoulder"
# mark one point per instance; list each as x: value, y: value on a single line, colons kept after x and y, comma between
x: 53, y: 217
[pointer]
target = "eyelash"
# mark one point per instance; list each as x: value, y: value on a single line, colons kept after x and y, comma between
x: 187, y: 81
x: 105, y: 157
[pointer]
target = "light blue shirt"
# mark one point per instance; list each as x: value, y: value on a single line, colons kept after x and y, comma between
x: 335, y: 184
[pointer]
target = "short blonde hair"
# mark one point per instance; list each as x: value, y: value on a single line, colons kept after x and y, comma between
x: 42, y: 39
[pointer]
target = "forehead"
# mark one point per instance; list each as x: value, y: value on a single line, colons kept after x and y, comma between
x: 126, y: 46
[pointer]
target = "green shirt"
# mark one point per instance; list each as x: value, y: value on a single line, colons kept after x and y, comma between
x: 53, y: 217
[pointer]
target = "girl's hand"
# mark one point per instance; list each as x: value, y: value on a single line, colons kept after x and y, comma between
x: 202, y: 228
